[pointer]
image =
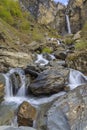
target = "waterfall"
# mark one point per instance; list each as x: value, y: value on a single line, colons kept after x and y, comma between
x: 41, y: 60
x: 76, y: 78
x: 68, y: 24
x: 9, y: 85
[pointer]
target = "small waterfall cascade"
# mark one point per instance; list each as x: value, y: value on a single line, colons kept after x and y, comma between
x: 58, y: 42
x: 41, y: 60
x: 68, y: 24
x: 9, y: 85
x: 76, y: 78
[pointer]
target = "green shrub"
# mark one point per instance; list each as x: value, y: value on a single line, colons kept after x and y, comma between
x: 81, y: 45
x: 46, y: 50
x: 5, y: 15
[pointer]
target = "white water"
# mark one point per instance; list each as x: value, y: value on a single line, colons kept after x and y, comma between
x: 9, y: 87
x: 76, y: 78
x: 52, y: 56
x: 41, y: 60
x: 58, y: 42
x: 68, y: 24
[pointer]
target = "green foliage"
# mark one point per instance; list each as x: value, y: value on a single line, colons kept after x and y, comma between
x: 11, y: 12
x: 81, y: 45
x: 84, y: 31
x: 46, y: 50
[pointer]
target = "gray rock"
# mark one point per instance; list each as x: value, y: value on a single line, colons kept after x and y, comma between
x: 7, y: 113
x: 15, y: 59
x: 15, y: 128
x: 49, y: 81
x: 60, y: 54
x: 66, y: 112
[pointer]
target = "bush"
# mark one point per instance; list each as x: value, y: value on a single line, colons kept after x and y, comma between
x: 81, y: 45
x: 46, y: 50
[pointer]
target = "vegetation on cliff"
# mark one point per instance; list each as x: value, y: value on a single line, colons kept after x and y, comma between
x: 22, y: 21
x: 82, y: 44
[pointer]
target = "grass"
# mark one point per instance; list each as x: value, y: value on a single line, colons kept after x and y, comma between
x: 81, y: 45
x: 11, y: 12
x: 46, y: 50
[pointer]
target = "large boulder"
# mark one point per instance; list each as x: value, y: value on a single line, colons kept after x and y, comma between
x: 69, y: 112
x: 64, y: 112
x: 26, y: 114
x: 49, y: 81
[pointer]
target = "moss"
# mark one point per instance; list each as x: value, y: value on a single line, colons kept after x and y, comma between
x: 69, y: 41
x: 46, y: 50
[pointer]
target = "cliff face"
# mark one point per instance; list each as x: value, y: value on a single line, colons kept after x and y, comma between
x: 77, y: 11
x: 46, y: 12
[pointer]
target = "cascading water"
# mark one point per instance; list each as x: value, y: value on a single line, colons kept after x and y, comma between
x: 68, y: 24
x: 9, y: 86
x: 41, y: 60
x: 58, y: 42
x: 76, y: 78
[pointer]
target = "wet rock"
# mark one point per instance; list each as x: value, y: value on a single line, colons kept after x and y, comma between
x: 49, y: 81
x: 26, y: 114
x: 7, y: 114
x: 31, y: 72
x: 15, y: 128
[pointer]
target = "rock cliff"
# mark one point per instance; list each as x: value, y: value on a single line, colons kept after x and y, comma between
x: 77, y: 10
x: 47, y: 12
